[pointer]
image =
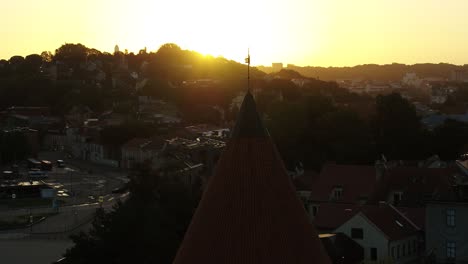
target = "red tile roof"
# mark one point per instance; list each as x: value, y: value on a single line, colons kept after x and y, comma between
x: 330, y: 216
x: 357, y: 182
x: 416, y: 215
x: 390, y: 221
x: 137, y: 143
x: 306, y: 181
x: 249, y: 212
x: 416, y: 183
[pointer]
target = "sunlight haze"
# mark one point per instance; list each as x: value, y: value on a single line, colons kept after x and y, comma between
x: 301, y: 32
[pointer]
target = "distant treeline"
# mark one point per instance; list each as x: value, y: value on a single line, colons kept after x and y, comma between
x: 387, y: 72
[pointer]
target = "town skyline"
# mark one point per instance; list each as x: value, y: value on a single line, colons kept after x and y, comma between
x: 304, y: 33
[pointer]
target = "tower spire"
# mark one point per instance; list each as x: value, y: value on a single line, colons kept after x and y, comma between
x: 247, y: 60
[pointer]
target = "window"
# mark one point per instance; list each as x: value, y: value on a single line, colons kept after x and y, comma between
x: 403, y: 250
x: 398, y: 251
x: 393, y: 252
x: 397, y: 197
x: 451, y: 250
x: 337, y: 193
x: 373, y: 253
x: 415, y: 246
x: 450, y: 217
x: 409, y: 248
x: 314, y: 210
x: 357, y: 233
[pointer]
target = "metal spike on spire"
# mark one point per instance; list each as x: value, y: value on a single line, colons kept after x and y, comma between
x: 247, y: 60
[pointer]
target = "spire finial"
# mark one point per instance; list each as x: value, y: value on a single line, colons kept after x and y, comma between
x: 247, y: 60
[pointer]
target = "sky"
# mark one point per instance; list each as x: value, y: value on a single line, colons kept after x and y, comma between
x: 300, y: 32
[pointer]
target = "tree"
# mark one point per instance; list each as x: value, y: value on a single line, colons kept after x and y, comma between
x: 397, y: 128
x: 71, y: 54
x: 450, y: 139
x: 347, y: 138
x: 32, y: 63
x: 147, y: 228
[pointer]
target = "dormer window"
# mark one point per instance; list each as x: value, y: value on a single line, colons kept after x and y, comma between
x: 397, y: 196
x: 337, y: 193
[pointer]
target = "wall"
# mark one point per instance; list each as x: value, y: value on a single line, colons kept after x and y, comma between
x: 438, y: 233
x: 411, y: 252
x: 373, y: 237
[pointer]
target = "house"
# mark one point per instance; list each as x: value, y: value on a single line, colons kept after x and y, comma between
x: 351, y: 184
x: 140, y: 150
x: 55, y: 139
x: 447, y: 229
x: 386, y: 234
x: 356, y: 184
x: 201, y: 150
x: 205, y: 130
x: 329, y: 216
x: 413, y: 186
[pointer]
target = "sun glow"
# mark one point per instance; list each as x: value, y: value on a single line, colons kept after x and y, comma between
x: 303, y: 32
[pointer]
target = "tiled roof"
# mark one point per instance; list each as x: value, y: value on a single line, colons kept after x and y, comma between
x: 394, y: 222
x: 417, y: 215
x: 417, y: 184
x: 137, y: 143
x: 330, y: 216
x: 390, y: 221
x: 356, y: 181
x: 306, y: 181
x: 249, y: 212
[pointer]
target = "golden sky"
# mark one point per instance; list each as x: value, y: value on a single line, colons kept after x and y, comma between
x: 301, y: 32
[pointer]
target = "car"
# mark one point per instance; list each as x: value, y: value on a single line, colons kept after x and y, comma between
x: 60, y: 164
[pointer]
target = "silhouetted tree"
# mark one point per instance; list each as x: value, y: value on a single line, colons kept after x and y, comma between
x: 147, y: 228
x: 397, y: 128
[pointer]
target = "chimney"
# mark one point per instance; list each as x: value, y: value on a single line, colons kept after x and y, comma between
x: 380, y: 169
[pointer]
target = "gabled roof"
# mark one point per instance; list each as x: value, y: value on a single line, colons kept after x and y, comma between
x: 249, y: 212
x: 146, y: 144
x: 330, y: 216
x: 417, y: 184
x: 356, y: 181
x: 391, y: 222
x: 306, y: 181
x: 137, y: 143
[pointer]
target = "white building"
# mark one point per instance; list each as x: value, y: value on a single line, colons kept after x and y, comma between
x: 385, y: 233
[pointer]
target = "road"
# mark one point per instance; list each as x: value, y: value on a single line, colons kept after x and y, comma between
x: 37, y: 251
x: 46, y: 241
x: 82, y: 183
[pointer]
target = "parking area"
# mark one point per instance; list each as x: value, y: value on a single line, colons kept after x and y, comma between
x: 74, y: 181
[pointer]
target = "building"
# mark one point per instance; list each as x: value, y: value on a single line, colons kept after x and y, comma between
x: 386, y: 234
x: 249, y: 212
x: 210, y: 131
x: 459, y: 76
x: 351, y: 184
x: 140, y: 150
x: 276, y: 66
x: 447, y: 228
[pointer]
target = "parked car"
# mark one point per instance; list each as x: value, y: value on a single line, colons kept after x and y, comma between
x: 60, y: 164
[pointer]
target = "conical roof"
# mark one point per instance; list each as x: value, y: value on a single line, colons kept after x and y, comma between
x: 249, y: 212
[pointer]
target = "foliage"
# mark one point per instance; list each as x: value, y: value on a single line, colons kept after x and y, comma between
x: 397, y: 128
x: 13, y: 146
x: 147, y: 228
